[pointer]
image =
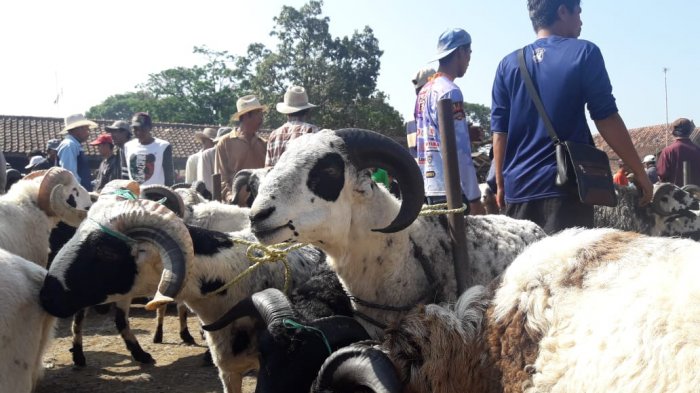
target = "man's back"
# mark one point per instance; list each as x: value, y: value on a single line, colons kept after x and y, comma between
x: 278, y: 139
x: 670, y: 162
x: 569, y: 74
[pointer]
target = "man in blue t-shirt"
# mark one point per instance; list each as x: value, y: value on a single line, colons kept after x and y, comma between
x: 454, y: 54
x: 569, y: 74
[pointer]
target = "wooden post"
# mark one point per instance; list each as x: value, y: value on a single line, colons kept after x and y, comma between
x: 216, y: 185
x: 686, y: 173
x: 453, y: 190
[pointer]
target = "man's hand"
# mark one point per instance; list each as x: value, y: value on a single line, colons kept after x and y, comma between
x: 646, y: 188
x: 501, y: 199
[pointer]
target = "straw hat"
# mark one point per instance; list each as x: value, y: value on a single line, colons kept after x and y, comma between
x: 247, y: 104
x: 75, y: 121
x: 295, y: 100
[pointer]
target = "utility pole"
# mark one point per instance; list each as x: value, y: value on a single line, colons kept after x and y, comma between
x: 666, y: 93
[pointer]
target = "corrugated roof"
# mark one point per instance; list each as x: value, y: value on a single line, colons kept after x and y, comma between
x: 647, y: 140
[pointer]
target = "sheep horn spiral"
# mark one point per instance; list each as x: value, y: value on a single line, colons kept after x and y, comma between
x: 370, y: 149
x: 357, y: 365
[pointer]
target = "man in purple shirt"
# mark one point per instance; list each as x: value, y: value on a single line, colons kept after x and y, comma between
x: 670, y: 163
x: 569, y: 74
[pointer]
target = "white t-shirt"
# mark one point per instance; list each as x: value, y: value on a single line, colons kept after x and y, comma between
x: 145, y: 162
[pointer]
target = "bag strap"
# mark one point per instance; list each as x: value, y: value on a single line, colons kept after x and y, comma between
x: 536, y: 97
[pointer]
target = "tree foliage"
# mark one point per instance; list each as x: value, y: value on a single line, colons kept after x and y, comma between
x: 479, y: 115
x: 339, y: 73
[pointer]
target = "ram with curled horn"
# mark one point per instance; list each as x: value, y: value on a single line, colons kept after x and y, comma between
x: 137, y: 246
x: 320, y: 192
x: 34, y: 206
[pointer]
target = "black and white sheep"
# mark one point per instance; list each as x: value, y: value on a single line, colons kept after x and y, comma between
x: 230, y: 218
x: 25, y: 328
x: 320, y: 194
x: 95, y: 267
x: 673, y: 213
x: 581, y: 311
x: 34, y: 206
x: 299, y: 333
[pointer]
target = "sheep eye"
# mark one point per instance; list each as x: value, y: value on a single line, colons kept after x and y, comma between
x: 327, y: 177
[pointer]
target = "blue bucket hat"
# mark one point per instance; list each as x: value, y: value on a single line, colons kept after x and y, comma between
x: 450, y: 40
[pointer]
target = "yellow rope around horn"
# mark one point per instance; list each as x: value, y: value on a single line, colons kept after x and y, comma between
x: 259, y: 254
x: 440, y: 208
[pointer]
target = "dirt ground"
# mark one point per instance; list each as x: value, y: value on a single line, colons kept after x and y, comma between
x: 110, y: 368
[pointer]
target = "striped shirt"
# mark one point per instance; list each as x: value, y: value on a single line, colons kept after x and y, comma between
x: 277, y: 142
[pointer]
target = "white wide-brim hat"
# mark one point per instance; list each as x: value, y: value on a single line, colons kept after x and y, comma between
x: 295, y: 100
x: 247, y: 104
x: 74, y: 121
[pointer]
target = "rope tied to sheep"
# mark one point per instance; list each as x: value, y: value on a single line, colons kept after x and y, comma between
x: 114, y: 233
x: 291, y: 324
x: 126, y: 194
x: 440, y: 208
x: 259, y: 254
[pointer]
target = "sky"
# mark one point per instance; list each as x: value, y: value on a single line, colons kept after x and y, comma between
x: 89, y: 50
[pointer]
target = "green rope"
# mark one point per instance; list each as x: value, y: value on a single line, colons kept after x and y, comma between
x: 126, y: 194
x: 290, y: 324
x: 259, y: 254
x: 114, y: 233
x: 440, y: 208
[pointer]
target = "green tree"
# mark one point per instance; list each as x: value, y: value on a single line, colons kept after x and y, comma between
x: 340, y: 74
x: 122, y: 106
x: 479, y: 115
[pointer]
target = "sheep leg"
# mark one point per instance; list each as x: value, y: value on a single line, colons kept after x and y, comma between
x: 160, y: 315
x: 184, y: 331
x: 121, y: 320
x: 77, y: 330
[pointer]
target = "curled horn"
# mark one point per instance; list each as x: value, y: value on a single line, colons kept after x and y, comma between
x: 35, y: 174
x: 148, y: 221
x: 173, y: 200
x: 177, y: 186
x: 240, y: 180
x: 270, y: 306
x: 52, y: 201
x: 355, y: 366
x: 370, y: 149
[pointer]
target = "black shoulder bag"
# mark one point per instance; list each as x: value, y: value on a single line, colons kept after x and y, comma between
x: 580, y: 166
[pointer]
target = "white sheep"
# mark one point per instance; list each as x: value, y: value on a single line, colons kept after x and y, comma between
x: 582, y: 311
x: 98, y: 265
x: 25, y: 328
x: 34, y: 206
x: 318, y: 193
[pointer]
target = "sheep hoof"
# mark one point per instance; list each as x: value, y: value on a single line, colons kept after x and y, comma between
x: 144, y: 357
x: 78, y: 356
x: 187, y: 337
x: 158, y: 337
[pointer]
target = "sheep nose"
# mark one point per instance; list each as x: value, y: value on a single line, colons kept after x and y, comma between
x: 262, y: 214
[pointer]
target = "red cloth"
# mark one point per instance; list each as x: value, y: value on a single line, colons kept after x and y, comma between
x: 620, y: 178
x: 670, y: 163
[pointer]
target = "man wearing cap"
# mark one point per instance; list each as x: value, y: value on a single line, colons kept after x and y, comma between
x: 149, y: 159
x: 418, y: 81
x: 671, y: 158
x: 52, y: 151
x: 37, y: 163
x: 205, y: 138
x: 296, y: 106
x: 242, y: 148
x: 70, y: 151
x: 570, y: 75
x: 454, y: 54
x: 109, y: 169
x: 649, y: 162
x: 120, y: 131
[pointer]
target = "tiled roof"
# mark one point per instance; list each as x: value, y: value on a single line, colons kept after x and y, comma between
x: 647, y: 140
x: 22, y: 134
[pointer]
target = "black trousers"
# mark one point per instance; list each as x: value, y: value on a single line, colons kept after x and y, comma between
x: 553, y: 214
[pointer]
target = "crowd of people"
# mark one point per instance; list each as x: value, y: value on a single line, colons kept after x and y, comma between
x: 523, y: 161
